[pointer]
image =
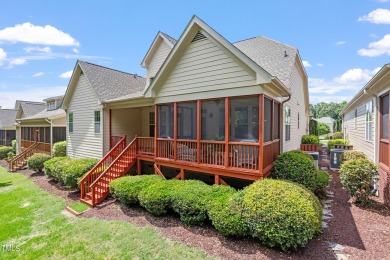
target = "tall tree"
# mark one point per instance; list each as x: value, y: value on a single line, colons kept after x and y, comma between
x: 331, y: 109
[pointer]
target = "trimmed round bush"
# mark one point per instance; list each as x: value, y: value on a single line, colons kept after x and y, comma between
x: 352, y: 155
x: 156, y: 198
x: 10, y: 155
x: 296, y: 167
x: 37, y: 160
x: 338, y: 135
x: 59, y: 149
x: 4, y: 150
x: 310, y: 139
x: 331, y: 143
x: 356, y: 175
x: 302, y: 153
x: 322, y: 179
x: 224, y: 210
x: 189, y: 200
x: 281, y: 213
x: 126, y: 189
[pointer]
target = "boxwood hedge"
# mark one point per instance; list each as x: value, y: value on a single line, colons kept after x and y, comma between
x: 4, y: 150
x: 36, y: 161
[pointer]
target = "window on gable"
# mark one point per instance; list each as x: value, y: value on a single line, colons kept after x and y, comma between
x: 70, y: 122
x: 369, y: 121
x: 287, y: 121
x: 97, y: 122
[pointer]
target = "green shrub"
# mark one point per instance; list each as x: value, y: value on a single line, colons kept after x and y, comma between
x: 189, y: 200
x: 224, y: 210
x: 4, y: 150
x: 36, y: 161
x: 310, y: 139
x: 352, y: 154
x: 331, y: 143
x: 156, y: 198
x: 127, y: 189
x: 322, y: 128
x: 10, y: 155
x: 69, y: 171
x: 338, y: 135
x: 59, y: 149
x: 322, y: 180
x: 296, y: 167
x: 303, y: 153
x: 280, y: 213
x: 13, y: 146
x: 356, y: 176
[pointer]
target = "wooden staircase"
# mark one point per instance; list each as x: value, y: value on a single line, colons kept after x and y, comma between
x: 95, y: 184
x: 20, y: 160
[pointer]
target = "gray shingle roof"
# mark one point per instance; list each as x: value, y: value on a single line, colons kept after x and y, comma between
x: 7, y: 117
x: 271, y: 56
x: 173, y: 41
x: 31, y: 108
x: 46, y: 114
x: 109, y: 83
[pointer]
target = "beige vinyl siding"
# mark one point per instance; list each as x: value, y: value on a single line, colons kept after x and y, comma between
x: 127, y: 121
x: 59, y: 121
x: 297, y: 105
x: 83, y: 142
x: 145, y: 120
x: 158, y: 58
x: 204, y: 67
x: 357, y: 136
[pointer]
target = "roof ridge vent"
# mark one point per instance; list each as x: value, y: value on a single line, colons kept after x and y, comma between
x: 199, y: 37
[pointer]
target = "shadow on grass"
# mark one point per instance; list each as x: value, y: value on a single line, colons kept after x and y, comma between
x: 5, y: 184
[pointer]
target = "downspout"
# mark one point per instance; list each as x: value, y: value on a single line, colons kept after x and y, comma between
x: 282, y: 124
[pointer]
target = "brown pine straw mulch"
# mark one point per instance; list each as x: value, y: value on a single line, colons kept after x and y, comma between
x: 362, y: 233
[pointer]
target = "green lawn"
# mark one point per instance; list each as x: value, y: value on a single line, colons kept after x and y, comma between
x: 78, y: 207
x: 32, y: 223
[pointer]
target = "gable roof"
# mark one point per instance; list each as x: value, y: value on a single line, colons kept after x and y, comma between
x: 275, y: 57
x: 197, y: 25
x: 7, y: 117
x: 46, y: 114
x: 29, y: 108
x: 169, y: 41
x: 107, y: 83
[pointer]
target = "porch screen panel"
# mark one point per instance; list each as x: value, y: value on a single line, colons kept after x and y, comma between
x: 244, y: 114
x: 385, y: 117
x: 186, y: 120
x: 213, y: 120
x: 267, y: 119
x: 59, y: 134
x: 165, y: 121
x: 2, y: 137
x: 276, y: 131
x: 47, y: 135
x: 42, y: 134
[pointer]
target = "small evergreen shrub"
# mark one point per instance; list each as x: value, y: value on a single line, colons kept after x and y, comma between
x: 332, y: 142
x: 281, y: 213
x: 189, y: 200
x: 59, y: 149
x: 36, y: 161
x: 303, y: 153
x: 310, y: 139
x: 356, y: 176
x: 351, y: 155
x: 69, y: 171
x: 4, y: 150
x: 224, y: 210
x: 10, y: 155
x: 127, y: 189
x: 156, y: 198
x: 13, y: 143
x: 338, y: 135
x: 322, y: 180
x: 296, y: 167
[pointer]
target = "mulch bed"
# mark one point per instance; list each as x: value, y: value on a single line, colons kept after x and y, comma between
x: 363, y: 233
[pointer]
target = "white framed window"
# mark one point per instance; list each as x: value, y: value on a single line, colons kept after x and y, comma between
x: 287, y: 121
x: 97, y: 122
x: 70, y: 122
x: 368, y: 127
x: 51, y: 105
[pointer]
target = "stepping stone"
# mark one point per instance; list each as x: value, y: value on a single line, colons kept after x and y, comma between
x: 324, y: 168
x: 324, y: 224
x: 327, y: 212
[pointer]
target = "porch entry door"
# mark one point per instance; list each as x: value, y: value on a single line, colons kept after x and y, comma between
x: 384, y: 155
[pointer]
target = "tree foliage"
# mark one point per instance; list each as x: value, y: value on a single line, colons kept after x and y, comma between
x: 329, y: 109
x: 322, y: 129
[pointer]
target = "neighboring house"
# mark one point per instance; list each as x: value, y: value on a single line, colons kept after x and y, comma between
x: 205, y: 105
x: 366, y: 125
x: 328, y: 121
x: 42, y: 123
x: 7, y: 126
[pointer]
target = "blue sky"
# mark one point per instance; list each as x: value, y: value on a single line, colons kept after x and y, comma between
x: 342, y: 42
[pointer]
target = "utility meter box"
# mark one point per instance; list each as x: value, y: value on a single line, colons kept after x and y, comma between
x: 335, y: 158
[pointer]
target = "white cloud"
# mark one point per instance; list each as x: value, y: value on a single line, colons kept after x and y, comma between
x: 341, y: 43
x: 15, y: 62
x: 3, y: 56
x: 377, y: 48
x: 356, y: 75
x: 75, y: 50
x: 67, y: 74
x: 38, y: 74
x: 306, y: 64
x: 38, y: 49
x: 320, y: 65
x: 32, y: 34
x: 378, y: 16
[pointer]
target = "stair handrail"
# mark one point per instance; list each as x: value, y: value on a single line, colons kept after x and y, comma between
x: 21, y: 155
x: 117, y: 147
x: 92, y: 186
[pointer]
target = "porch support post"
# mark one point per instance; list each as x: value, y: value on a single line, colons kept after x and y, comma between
x: 138, y: 166
x: 227, y: 131
x: 216, y: 179
x: 110, y: 128
x: 199, y: 127
x: 175, y: 131
x: 155, y: 130
x: 261, y: 133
